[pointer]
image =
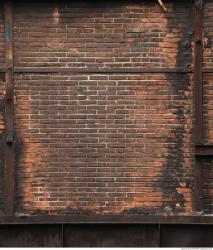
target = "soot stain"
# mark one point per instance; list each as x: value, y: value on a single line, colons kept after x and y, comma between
x: 174, y: 167
x: 19, y: 149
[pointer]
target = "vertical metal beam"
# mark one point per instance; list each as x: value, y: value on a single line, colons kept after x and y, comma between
x: 198, y: 88
x: 9, y: 171
x: 198, y: 104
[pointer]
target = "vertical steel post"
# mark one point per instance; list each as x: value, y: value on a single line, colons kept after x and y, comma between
x: 9, y: 171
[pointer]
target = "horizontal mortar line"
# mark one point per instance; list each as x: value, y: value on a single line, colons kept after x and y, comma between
x: 97, y: 70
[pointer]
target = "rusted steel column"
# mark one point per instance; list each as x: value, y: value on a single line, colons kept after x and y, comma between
x: 198, y: 105
x: 9, y: 171
x: 198, y: 74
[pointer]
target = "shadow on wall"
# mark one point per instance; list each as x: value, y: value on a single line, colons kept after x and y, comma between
x: 175, y: 173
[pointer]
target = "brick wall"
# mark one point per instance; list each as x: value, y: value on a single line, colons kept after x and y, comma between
x: 103, y: 143
x: 102, y: 34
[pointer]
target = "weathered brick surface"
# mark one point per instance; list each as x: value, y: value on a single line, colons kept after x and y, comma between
x: 102, y: 34
x: 104, y: 143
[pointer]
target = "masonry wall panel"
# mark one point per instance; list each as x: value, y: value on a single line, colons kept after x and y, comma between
x: 104, y: 143
x: 103, y: 34
x: 95, y: 131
